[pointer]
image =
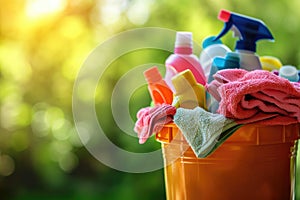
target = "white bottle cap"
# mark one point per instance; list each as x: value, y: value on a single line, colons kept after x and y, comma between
x: 289, y: 72
x: 184, y: 39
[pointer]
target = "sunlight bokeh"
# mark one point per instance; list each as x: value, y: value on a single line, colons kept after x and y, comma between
x: 40, y: 8
x: 43, y: 44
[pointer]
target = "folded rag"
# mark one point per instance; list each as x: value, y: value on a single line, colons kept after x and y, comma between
x: 151, y: 120
x: 204, y: 131
x: 257, y: 96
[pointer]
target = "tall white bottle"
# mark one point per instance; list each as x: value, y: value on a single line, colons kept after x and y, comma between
x: 211, y: 49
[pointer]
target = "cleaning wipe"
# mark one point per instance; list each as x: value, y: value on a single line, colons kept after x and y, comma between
x: 204, y: 131
x: 152, y: 119
x: 256, y: 97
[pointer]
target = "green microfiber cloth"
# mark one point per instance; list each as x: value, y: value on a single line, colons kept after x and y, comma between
x: 204, y: 131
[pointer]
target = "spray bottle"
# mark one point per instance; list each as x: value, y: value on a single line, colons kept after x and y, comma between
x: 211, y: 48
x: 159, y: 90
x: 231, y: 61
x: 249, y: 31
x: 182, y: 59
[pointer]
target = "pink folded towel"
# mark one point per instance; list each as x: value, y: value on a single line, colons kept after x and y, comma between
x: 256, y: 96
x: 151, y: 120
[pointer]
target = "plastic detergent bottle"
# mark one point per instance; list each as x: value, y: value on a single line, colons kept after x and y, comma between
x: 211, y: 48
x: 159, y: 90
x: 270, y: 63
x: 231, y: 61
x: 189, y: 94
x: 289, y: 72
x: 249, y: 31
x: 182, y: 59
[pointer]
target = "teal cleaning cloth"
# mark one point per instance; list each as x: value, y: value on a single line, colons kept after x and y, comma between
x: 204, y: 131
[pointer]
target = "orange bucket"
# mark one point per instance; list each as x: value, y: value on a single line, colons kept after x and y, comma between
x: 253, y: 163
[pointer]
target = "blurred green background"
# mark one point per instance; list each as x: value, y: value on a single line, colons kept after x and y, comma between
x: 42, y: 46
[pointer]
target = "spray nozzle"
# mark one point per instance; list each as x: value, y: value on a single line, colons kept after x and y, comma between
x: 249, y: 30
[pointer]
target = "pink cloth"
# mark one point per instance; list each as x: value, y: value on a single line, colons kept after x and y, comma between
x: 256, y: 96
x: 150, y: 120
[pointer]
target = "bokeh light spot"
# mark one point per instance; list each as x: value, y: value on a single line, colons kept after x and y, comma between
x: 60, y: 129
x: 53, y: 114
x: 139, y: 12
x: 7, y: 165
x: 36, y: 8
x: 39, y: 126
x: 13, y: 63
x: 68, y: 162
x: 71, y: 27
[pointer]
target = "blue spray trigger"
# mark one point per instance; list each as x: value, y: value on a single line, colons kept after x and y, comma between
x: 210, y: 41
x: 236, y: 32
x: 226, y: 28
x: 251, y: 30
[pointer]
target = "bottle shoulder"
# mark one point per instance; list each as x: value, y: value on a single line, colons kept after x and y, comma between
x: 179, y: 57
x: 216, y: 49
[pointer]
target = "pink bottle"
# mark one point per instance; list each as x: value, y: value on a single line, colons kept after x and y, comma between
x: 182, y: 59
x: 159, y: 90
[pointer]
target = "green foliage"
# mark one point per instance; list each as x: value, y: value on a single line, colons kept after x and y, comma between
x: 41, y: 52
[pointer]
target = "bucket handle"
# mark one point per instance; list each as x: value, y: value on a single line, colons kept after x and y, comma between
x: 293, y: 170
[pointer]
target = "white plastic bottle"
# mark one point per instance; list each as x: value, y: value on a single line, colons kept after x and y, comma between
x: 249, y: 60
x: 211, y: 49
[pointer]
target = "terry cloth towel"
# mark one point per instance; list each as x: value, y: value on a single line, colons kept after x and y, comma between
x: 151, y: 120
x: 257, y: 96
x: 204, y: 131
